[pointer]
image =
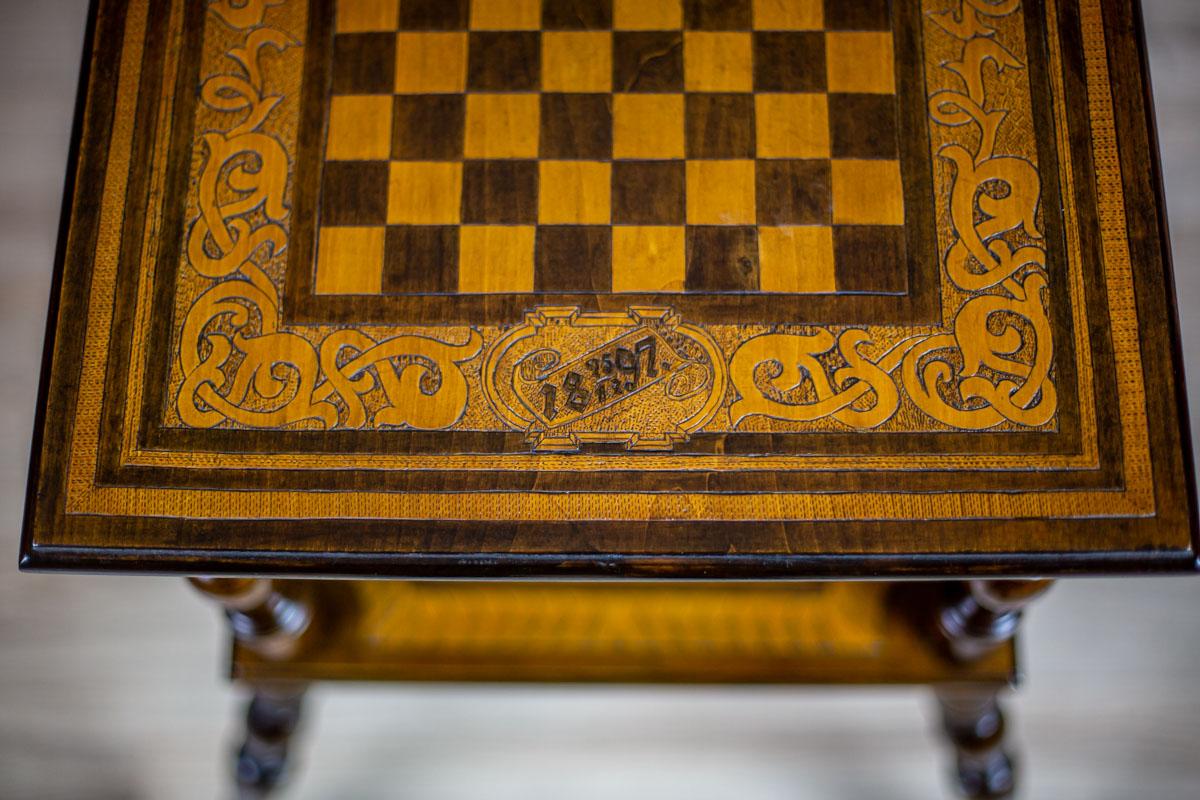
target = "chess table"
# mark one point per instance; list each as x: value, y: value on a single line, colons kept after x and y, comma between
x: 648, y: 327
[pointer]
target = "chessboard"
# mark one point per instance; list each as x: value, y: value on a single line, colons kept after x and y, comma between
x: 611, y: 146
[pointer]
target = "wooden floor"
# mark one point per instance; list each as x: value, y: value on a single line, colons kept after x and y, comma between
x: 113, y: 688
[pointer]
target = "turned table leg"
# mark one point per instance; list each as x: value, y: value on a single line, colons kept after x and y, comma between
x: 977, y: 617
x: 260, y: 616
x: 265, y: 620
x: 974, y: 723
x: 983, y: 615
x: 272, y: 716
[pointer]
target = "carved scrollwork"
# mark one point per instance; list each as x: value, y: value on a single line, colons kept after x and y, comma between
x: 966, y: 22
x: 239, y: 367
x: 861, y: 394
x: 993, y: 382
x: 994, y: 362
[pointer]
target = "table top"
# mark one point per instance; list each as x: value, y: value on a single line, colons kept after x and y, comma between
x: 650, y: 288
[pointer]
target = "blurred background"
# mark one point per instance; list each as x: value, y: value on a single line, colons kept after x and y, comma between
x: 112, y: 687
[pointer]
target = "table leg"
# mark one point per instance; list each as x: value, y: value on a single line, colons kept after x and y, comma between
x: 261, y: 617
x: 264, y: 619
x: 272, y: 716
x: 974, y: 619
x: 974, y: 723
x: 983, y: 615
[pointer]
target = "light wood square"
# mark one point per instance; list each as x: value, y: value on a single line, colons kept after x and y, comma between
x: 789, y: 15
x: 574, y: 192
x: 648, y: 258
x: 797, y: 260
x: 867, y: 192
x: 648, y: 126
x: 720, y: 193
x: 424, y: 193
x: 506, y: 15
x: 495, y: 258
x: 577, y: 61
x: 350, y: 260
x: 792, y: 125
x: 717, y: 62
x: 647, y: 15
x: 362, y: 16
x: 502, y: 126
x: 360, y: 128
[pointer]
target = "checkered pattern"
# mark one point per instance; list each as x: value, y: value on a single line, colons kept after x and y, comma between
x: 577, y: 146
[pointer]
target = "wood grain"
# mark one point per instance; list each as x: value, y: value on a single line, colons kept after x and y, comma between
x: 281, y: 486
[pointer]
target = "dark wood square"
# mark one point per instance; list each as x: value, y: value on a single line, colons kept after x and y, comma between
x: 722, y: 258
x: 863, y: 15
x: 648, y: 192
x: 789, y: 61
x: 870, y: 258
x: 863, y: 126
x: 576, y: 14
x: 504, y: 61
x: 576, y: 126
x: 444, y: 15
x: 364, y: 63
x: 648, y: 61
x: 354, y: 193
x: 420, y: 259
x: 428, y: 127
x: 717, y: 15
x: 793, y: 192
x: 500, y: 192
x: 720, y: 125
x: 573, y: 258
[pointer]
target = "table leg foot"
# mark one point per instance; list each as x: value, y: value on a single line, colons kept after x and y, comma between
x: 272, y: 716
x: 974, y: 724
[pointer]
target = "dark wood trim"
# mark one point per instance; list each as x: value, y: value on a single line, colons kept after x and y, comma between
x: 1053, y: 220
x: 558, y: 565
x: 138, y: 215
x: 86, y: 162
x: 1159, y: 338
x: 1175, y: 336
x: 616, y: 482
x: 170, y: 246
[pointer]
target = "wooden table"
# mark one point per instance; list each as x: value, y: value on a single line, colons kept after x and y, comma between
x: 737, y: 292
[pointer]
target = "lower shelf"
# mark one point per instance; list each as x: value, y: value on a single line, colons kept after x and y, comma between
x: 839, y: 633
